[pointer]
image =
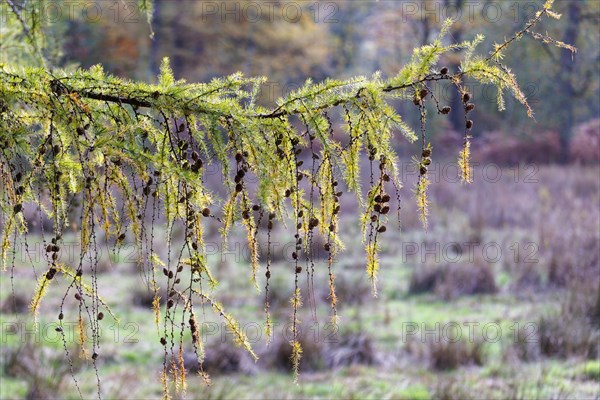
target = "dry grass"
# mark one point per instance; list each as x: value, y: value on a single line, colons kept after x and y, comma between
x: 15, y: 303
x: 45, y: 370
x: 454, y: 280
x: 574, y: 330
x: 221, y: 358
x: 447, y: 355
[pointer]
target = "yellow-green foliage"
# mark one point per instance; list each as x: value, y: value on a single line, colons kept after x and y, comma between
x: 295, y: 358
x: 464, y: 164
x: 372, y: 265
x: 232, y: 325
x: 130, y: 152
x: 40, y: 292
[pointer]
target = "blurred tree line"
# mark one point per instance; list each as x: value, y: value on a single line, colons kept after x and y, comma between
x: 290, y: 41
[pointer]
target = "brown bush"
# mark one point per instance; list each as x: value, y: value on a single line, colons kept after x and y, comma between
x: 573, y: 331
x: 424, y: 280
x: 312, y: 352
x: 454, y: 280
x: 585, y: 144
x: 352, y: 348
x: 221, y: 357
x: 567, y: 337
x: 280, y: 293
x: 15, y: 303
x: 465, y: 280
x: 143, y: 296
x: 504, y: 149
x: 527, y: 276
x: 322, y: 351
x: 595, y: 311
x: 559, y: 270
x: 44, y: 369
x: 574, y: 260
x: 350, y: 290
x: 447, y: 355
x: 525, y: 345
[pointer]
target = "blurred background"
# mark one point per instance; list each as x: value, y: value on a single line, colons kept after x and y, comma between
x: 289, y: 42
x: 499, y: 298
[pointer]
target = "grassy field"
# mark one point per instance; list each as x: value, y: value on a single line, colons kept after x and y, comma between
x: 499, y: 298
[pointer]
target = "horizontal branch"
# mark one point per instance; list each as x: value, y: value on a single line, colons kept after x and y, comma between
x: 59, y: 88
x: 115, y: 99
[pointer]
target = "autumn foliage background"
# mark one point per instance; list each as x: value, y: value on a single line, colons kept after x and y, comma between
x: 535, y: 195
x: 291, y: 41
